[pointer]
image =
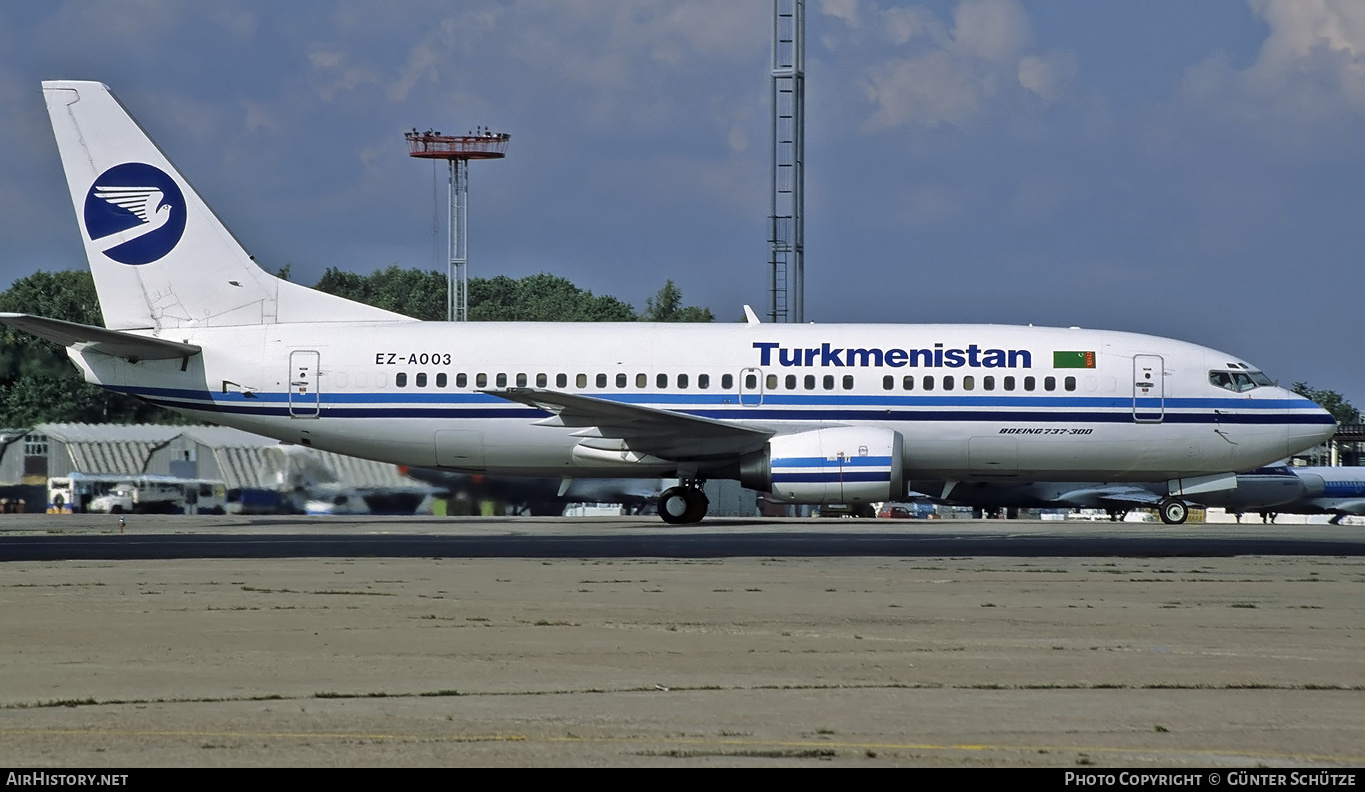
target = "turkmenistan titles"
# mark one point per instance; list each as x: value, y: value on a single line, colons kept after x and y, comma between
x: 1073, y: 359
x: 973, y: 356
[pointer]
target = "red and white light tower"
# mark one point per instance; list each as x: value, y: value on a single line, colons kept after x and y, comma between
x: 458, y: 150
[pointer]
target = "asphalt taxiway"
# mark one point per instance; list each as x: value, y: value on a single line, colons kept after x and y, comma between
x: 538, y: 641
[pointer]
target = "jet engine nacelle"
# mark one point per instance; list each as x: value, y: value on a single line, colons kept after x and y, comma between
x: 846, y: 464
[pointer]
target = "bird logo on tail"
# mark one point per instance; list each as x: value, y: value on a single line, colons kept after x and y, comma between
x: 138, y: 211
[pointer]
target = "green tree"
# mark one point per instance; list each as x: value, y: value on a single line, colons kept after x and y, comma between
x: 1329, y: 400
x: 666, y: 306
x: 420, y: 294
x: 38, y: 383
x: 541, y: 298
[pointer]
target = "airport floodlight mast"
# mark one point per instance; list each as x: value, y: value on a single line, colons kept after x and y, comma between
x: 458, y: 150
x: 787, y: 268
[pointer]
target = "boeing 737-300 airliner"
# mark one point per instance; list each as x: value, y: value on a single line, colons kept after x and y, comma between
x: 812, y: 413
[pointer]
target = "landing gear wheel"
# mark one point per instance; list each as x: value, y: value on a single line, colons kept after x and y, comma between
x: 697, y: 505
x: 1173, y: 511
x: 683, y: 505
x: 673, y: 505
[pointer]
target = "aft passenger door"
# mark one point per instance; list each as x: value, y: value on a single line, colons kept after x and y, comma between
x: 304, y: 395
x: 1149, y: 389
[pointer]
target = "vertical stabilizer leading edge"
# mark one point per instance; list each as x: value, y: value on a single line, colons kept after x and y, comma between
x: 160, y: 257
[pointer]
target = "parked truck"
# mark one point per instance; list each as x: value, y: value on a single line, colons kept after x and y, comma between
x: 140, y: 498
x: 150, y: 494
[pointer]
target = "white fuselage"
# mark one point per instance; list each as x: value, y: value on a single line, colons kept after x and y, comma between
x: 973, y: 402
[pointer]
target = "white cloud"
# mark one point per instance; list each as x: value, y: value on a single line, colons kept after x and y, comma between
x: 935, y: 74
x: 901, y: 25
x: 995, y: 30
x: 1310, y: 67
x: 928, y: 90
x: 849, y: 11
x: 1047, y: 75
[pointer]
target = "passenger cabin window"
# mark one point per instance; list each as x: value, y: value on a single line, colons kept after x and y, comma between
x: 620, y: 380
x: 601, y: 380
x: 750, y: 381
x: 908, y: 383
x: 682, y: 381
x: 542, y: 380
x: 771, y: 382
x: 581, y: 381
x: 928, y: 382
x: 848, y: 382
x: 829, y: 382
x: 441, y: 380
x: 1069, y: 383
x: 502, y: 380
x: 1009, y: 383
x: 1028, y: 383
x: 888, y: 382
x: 727, y: 381
x: 988, y: 383
x: 401, y: 380
x: 422, y: 380
x: 641, y: 380
x: 561, y: 380
x: 462, y: 380
x: 968, y: 382
x: 791, y: 382
x: 661, y: 381
x: 948, y: 382
x: 481, y: 380
x: 704, y: 381
x: 1049, y: 383
x: 809, y: 382
x: 521, y: 380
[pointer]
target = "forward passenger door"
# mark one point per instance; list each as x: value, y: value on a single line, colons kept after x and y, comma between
x: 1149, y: 389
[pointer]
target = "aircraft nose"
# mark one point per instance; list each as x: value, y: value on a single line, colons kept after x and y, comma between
x: 1308, y: 425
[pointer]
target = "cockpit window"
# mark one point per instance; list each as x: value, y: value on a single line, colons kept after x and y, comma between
x: 1239, y: 381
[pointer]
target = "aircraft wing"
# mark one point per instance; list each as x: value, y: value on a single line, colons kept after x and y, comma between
x: 1109, y: 497
x: 665, y: 434
x: 1341, y: 505
x: 99, y: 339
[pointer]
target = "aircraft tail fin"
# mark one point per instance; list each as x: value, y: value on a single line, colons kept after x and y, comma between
x: 159, y: 256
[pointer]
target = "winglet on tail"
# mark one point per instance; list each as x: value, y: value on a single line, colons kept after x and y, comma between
x: 159, y: 255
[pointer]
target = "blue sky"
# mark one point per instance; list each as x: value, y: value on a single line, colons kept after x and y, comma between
x: 1193, y: 170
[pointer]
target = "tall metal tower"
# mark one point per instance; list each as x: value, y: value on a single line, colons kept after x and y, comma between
x: 786, y: 264
x: 458, y: 151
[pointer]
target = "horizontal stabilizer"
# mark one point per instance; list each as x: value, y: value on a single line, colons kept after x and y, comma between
x: 98, y: 339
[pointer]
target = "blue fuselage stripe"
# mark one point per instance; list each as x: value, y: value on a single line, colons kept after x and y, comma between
x: 830, y: 408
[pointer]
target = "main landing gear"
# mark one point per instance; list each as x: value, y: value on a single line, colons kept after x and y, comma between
x: 1173, y: 511
x: 683, y: 504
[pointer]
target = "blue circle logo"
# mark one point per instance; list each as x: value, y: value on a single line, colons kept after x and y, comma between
x: 139, y: 209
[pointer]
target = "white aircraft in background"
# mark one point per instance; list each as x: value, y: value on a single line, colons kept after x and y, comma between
x: 1338, y: 491
x: 1267, y: 491
x: 1261, y: 489
x: 839, y: 413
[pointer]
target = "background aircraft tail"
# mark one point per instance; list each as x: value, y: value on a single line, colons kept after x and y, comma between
x: 159, y: 255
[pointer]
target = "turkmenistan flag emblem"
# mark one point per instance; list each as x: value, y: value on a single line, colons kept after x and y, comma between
x: 1073, y: 359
